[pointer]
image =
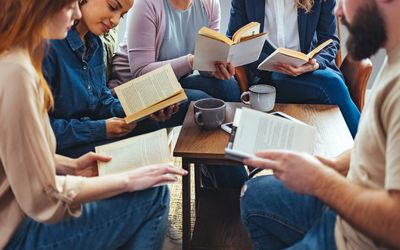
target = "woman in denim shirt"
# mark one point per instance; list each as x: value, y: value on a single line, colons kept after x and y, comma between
x: 86, y: 114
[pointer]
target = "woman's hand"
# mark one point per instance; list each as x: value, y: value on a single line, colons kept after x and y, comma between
x: 117, y: 127
x: 85, y: 165
x: 296, y: 71
x: 222, y: 71
x: 150, y: 176
x: 165, y: 114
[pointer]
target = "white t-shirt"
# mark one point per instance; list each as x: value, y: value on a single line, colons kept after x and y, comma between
x: 281, y: 24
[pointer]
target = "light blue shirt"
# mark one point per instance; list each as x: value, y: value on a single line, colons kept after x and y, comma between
x: 181, y: 29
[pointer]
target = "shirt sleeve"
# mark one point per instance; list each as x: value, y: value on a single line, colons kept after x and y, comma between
x: 143, y: 25
x: 327, y: 29
x: 27, y: 156
x: 108, y: 106
x: 391, y: 123
x: 74, y: 132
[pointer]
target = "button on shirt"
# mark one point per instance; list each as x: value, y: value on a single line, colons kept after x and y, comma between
x: 76, y: 75
x: 281, y: 24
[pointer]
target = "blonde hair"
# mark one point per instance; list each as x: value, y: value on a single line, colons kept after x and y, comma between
x: 23, y: 24
x: 305, y: 4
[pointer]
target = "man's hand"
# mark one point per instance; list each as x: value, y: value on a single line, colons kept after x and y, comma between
x: 165, y: 114
x: 117, y: 127
x: 296, y: 71
x: 299, y: 172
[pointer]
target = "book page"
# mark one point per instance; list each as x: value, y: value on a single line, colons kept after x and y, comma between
x: 266, y: 131
x: 249, y: 29
x: 246, y: 52
x: 319, y: 48
x: 148, y: 89
x: 276, y: 57
x: 135, y: 152
x: 207, y: 32
x: 207, y: 52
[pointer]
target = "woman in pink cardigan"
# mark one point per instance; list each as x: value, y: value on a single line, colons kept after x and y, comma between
x: 164, y: 31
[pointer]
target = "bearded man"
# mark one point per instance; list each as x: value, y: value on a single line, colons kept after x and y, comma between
x: 352, y: 201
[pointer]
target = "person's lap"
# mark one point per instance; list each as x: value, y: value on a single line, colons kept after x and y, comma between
x: 277, y: 218
x: 133, y: 221
x: 318, y: 87
x: 227, y: 90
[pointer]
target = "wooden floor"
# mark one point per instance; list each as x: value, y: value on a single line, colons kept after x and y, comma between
x: 218, y: 224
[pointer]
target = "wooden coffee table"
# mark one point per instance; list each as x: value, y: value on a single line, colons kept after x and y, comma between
x: 197, y: 146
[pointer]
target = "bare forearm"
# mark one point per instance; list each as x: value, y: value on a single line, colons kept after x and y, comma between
x: 98, y: 188
x: 372, y: 212
x: 64, y: 165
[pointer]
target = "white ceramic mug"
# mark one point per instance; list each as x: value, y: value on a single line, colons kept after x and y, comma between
x: 261, y: 97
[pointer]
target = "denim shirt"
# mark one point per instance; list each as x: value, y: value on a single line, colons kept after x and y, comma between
x: 76, y: 75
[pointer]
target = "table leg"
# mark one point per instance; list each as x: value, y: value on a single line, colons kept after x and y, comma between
x: 197, y: 183
x: 186, y: 227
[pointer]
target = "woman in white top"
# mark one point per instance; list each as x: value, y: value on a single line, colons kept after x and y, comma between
x: 300, y: 25
x: 44, y: 203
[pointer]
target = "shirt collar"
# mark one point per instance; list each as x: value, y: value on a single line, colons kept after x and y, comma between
x: 76, y: 43
x: 74, y: 40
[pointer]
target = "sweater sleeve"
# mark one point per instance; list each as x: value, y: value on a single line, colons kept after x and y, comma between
x: 27, y: 155
x: 143, y: 26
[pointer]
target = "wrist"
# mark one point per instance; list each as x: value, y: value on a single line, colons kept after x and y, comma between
x: 323, y: 181
x: 124, y: 181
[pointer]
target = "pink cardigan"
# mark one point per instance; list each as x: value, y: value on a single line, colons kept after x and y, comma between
x: 145, y: 30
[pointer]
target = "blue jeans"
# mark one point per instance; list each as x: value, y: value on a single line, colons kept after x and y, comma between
x: 130, y: 221
x: 277, y: 218
x: 318, y: 87
x: 227, y: 90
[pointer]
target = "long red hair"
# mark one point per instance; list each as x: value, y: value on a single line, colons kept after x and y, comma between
x: 23, y: 24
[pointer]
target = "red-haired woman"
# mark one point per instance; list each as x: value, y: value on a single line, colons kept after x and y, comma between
x: 43, y: 201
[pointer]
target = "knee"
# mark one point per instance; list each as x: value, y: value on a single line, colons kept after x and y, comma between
x: 195, y: 94
x: 231, y: 90
x: 161, y: 196
x: 157, y: 198
x: 332, y: 84
x: 259, y: 194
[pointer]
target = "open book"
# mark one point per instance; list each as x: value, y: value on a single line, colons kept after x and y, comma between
x: 244, y: 48
x: 149, y: 93
x: 254, y: 131
x: 291, y: 57
x: 134, y: 152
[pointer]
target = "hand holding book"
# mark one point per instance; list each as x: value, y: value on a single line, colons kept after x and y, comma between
x: 296, y: 59
x: 296, y: 71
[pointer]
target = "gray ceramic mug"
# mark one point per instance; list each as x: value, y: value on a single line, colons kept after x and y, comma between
x: 261, y: 97
x: 209, y: 113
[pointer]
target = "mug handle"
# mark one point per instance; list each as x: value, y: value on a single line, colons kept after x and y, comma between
x: 198, y: 118
x: 243, y: 95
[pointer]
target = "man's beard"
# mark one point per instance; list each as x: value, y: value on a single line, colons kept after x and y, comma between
x: 367, y: 32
